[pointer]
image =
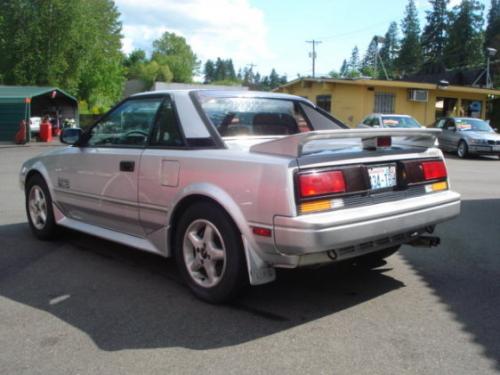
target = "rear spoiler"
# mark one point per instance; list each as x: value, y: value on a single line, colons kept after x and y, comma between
x: 293, y: 145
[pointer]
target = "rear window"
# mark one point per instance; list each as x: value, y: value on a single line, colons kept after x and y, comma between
x: 400, y: 122
x: 250, y: 116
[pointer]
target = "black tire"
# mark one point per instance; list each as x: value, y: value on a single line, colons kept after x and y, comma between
x: 233, y: 276
x: 375, y: 259
x: 49, y: 229
x: 462, y: 150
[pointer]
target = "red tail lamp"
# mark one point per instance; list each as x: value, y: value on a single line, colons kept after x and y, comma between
x: 434, y: 170
x: 321, y: 183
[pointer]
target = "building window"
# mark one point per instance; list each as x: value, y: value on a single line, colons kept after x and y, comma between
x: 324, y: 102
x: 384, y: 102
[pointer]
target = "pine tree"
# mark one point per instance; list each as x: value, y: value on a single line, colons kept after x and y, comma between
x: 492, y: 34
x: 435, y: 32
x: 410, y: 55
x: 390, y: 50
x: 465, y: 36
x: 344, y: 69
x: 230, y: 73
x: 209, y: 71
x: 353, y: 64
x: 369, y: 63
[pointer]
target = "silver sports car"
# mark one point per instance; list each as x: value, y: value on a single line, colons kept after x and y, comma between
x: 236, y: 184
x: 468, y: 136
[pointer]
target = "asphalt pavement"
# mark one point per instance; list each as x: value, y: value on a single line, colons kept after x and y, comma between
x: 82, y: 305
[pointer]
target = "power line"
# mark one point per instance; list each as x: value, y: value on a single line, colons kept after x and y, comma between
x: 355, y: 31
x: 313, y: 54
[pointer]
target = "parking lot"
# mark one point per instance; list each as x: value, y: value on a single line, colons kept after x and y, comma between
x: 83, y: 305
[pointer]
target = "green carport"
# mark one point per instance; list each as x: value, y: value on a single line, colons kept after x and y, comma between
x: 23, y: 102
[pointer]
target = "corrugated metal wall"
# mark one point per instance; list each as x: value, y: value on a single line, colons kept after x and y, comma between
x: 11, y: 114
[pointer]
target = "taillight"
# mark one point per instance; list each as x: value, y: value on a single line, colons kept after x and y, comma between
x: 384, y: 142
x: 321, y: 183
x: 434, y: 170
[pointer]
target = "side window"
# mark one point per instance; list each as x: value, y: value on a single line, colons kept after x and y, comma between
x: 450, y: 124
x: 440, y: 123
x: 368, y: 121
x: 128, y: 125
x: 375, y: 121
x: 167, y: 129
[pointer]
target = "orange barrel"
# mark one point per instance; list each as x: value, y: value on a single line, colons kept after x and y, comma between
x: 46, y: 132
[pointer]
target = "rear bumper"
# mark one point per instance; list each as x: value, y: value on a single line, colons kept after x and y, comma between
x: 314, y: 233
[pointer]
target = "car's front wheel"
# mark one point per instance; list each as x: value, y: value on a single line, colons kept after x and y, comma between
x: 39, y: 209
x: 462, y: 150
x: 209, y: 253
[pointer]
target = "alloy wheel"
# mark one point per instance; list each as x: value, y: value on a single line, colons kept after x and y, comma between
x: 204, y: 253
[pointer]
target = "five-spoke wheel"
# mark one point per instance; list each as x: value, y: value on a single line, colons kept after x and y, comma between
x: 39, y: 208
x: 209, y: 252
x: 204, y: 253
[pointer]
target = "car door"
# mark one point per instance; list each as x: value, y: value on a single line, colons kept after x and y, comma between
x: 97, y: 183
x: 160, y: 169
x: 449, y: 134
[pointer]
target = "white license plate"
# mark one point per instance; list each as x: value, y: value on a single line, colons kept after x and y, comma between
x: 382, y: 176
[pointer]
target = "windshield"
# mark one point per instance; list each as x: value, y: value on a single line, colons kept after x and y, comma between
x: 250, y: 116
x: 471, y: 124
x: 400, y: 122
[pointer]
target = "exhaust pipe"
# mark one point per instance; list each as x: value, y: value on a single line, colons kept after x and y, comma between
x: 425, y: 241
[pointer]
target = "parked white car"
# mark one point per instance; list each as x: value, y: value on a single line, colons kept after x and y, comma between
x: 236, y: 184
x: 35, y: 124
x: 379, y: 120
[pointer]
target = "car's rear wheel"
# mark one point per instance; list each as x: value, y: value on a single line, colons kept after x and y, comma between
x: 209, y: 253
x: 39, y: 209
x: 462, y: 150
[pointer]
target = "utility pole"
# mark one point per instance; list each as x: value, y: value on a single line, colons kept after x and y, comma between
x: 313, y: 54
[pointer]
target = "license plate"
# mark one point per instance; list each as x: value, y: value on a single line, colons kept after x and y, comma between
x: 382, y: 176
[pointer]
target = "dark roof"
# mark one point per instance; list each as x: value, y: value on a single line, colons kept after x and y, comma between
x: 22, y: 92
x: 456, y: 77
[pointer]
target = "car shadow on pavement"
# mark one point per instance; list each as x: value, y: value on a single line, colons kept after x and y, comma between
x: 464, y: 272
x: 125, y: 299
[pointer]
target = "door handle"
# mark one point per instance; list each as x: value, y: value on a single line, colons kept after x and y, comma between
x: 127, y: 166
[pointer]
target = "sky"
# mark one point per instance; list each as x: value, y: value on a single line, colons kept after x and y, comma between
x: 266, y: 33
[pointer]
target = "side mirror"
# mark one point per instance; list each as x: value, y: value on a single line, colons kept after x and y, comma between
x: 71, y: 135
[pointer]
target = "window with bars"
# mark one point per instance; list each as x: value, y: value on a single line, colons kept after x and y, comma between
x: 384, y: 102
x: 324, y: 102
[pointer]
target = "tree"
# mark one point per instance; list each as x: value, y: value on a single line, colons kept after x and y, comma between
x: 492, y: 34
x: 369, y: 63
x: 173, y: 50
x: 435, y: 32
x: 344, y: 69
x: 410, y: 54
x: 390, y: 49
x: 209, y: 71
x: 353, y: 64
x: 102, y: 73
x: 220, y: 70
x: 74, y: 45
x: 465, y: 36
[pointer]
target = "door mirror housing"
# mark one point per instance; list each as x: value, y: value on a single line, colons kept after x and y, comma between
x: 70, y: 136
